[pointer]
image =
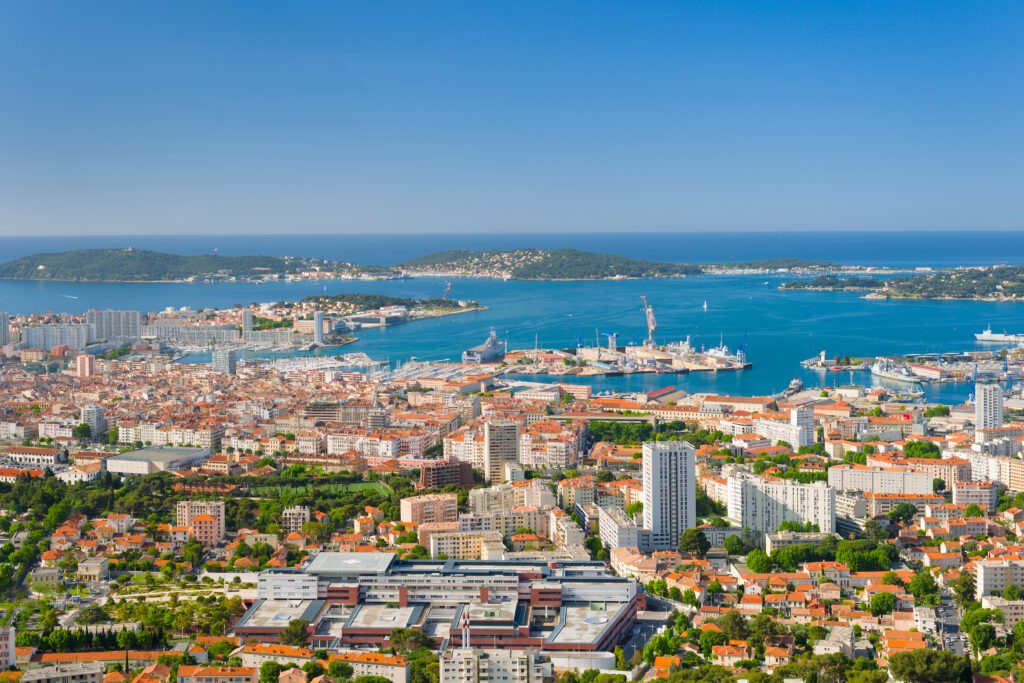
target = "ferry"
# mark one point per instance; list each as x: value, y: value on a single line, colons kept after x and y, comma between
x: 989, y: 337
x: 887, y: 369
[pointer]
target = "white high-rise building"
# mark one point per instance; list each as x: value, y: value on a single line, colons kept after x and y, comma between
x: 77, y: 336
x: 318, y: 327
x: 120, y: 326
x: 761, y: 505
x: 92, y: 415
x: 988, y: 406
x: 501, y: 446
x: 669, y: 492
x: 225, y: 360
x: 797, y: 431
x: 247, y: 321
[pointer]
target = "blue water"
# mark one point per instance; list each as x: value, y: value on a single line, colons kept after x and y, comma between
x: 862, y: 248
x: 778, y: 329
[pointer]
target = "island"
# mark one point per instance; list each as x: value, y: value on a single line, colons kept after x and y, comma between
x: 139, y: 265
x: 542, y: 264
x: 993, y: 283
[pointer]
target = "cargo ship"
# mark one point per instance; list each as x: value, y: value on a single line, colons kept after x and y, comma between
x: 990, y: 337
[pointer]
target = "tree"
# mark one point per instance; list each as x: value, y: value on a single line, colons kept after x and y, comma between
x: 875, y: 531
x: 974, y: 510
x: 408, y: 639
x: 982, y: 637
x: 964, y: 590
x: 371, y: 679
x: 891, y: 578
x: 82, y: 432
x: 733, y: 545
x: 1011, y: 592
x: 921, y: 449
x: 694, y: 543
x: 759, y: 562
x: 938, y: 485
x: 930, y: 666
x: 902, y: 513
x: 269, y: 672
x: 620, y: 659
x: 295, y: 633
x: 923, y: 584
x: 883, y: 603
x: 339, y: 670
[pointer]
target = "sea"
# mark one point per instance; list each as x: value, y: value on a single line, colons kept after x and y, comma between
x: 776, y: 329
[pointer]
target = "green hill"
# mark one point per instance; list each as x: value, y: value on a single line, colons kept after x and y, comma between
x: 136, y: 265
x: 544, y: 264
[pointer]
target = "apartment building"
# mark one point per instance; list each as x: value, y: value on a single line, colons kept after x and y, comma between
x: 434, y: 507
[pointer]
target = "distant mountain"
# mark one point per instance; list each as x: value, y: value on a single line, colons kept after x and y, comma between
x: 136, y: 265
x: 543, y: 264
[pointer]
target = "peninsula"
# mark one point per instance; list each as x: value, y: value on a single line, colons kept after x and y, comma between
x: 138, y: 265
x: 994, y: 283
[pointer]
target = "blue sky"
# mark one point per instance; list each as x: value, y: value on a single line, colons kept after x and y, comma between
x: 220, y: 117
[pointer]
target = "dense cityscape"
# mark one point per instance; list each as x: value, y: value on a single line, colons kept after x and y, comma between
x: 331, y: 517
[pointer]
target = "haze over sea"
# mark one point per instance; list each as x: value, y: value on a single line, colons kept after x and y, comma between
x: 779, y: 329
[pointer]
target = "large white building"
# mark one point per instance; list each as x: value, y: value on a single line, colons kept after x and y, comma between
x: 669, y: 492
x: 466, y: 665
x: 988, y: 406
x: 121, y: 326
x: 619, y: 531
x: 76, y: 336
x: 992, y: 576
x: 878, y: 479
x: 5, y: 329
x: 797, y: 431
x: 761, y: 505
x: 501, y: 446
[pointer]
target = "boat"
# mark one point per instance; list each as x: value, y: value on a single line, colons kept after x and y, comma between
x: 795, y: 385
x: 887, y: 369
x: 705, y: 306
x: 989, y: 337
x: 490, y: 351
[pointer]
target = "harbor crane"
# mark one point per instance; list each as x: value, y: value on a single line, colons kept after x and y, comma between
x: 652, y: 324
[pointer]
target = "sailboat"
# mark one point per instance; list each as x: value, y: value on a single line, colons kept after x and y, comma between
x: 705, y: 306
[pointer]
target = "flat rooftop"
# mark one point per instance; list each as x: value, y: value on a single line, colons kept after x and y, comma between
x: 275, y: 614
x: 583, y: 624
x: 161, y: 454
x: 350, y: 564
x: 384, y: 617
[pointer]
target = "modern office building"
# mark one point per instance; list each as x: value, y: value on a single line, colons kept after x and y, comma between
x: 762, y: 505
x: 247, y: 321
x: 988, y: 406
x: 5, y: 329
x: 115, y: 326
x: 501, y: 446
x: 568, y: 606
x: 225, y: 360
x: 669, y: 492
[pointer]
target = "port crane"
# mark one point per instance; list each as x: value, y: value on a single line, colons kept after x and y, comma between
x: 652, y: 324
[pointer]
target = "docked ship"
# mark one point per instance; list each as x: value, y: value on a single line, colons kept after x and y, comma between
x: 887, y: 369
x: 491, y: 351
x: 990, y: 337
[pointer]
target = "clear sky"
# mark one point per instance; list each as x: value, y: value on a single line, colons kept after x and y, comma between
x: 255, y: 117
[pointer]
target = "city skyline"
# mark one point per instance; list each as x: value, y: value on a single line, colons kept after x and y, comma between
x: 189, y: 119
